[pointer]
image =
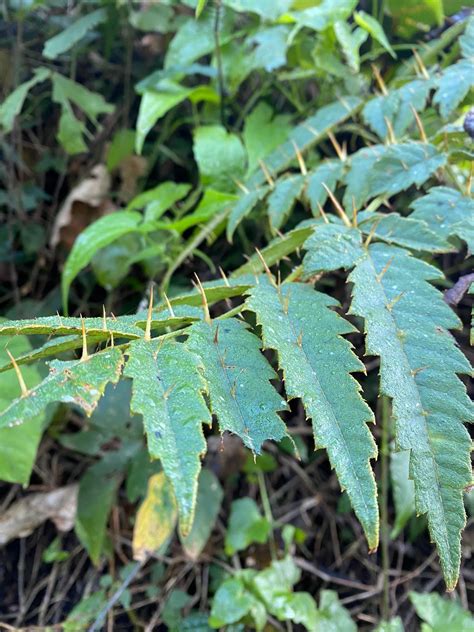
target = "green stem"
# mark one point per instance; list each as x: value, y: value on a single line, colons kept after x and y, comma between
x: 267, y: 510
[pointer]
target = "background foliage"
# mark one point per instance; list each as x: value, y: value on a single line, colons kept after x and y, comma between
x: 159, y: 145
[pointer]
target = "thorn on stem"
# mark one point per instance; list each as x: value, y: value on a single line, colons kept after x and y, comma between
x: 205, y: 306
x: 380, y: 81
x: 85, y: 354
x: 339, y: 209
x: 419, y: 124
x: 21, y: 381
x: 168, y: 305
x: 266, y: 268
x: 266, y: 173
x: 300, y: 159
x: 341, y: 154
x: 149, y: 316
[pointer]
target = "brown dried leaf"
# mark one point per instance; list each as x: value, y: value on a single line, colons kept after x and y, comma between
x: 84, y: 204
x: 24, y: 516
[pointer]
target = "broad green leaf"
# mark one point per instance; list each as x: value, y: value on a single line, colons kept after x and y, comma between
x: 407, y: 323
x: 243, y: 207
x: 441, y: 614
x: 18, y: 445
x: 403, y: 231
x: 332, y: 246
x: 238, y: 376
x: 453, y: 85
x: 97, y: 493
x: 328, y: 173
x: 270, y: 47
x: 410, y: 17
x: 211, y: 203
x: 274, y: 586
x: 71, y: 131
x: 208, y: 504
x: 13, y: 104
x: 448, y: 213
x: 370, y: 24
x: 396, y: 107
x: 306, y: 135
x: 92, y: 103
x: 159, y: 199
x: 196, y: 38
x: 282, y: 199
x: 231, y: 603
x: 278, y: 248
x: 160, y: 99
x: 387, y: 170
x: 317, y: 364
x: 156, y: 518
x: 167, y: 391
x: 200, y: 6
x: 246, y: 526
x: 101, y: 233
x: 326, y: 13
x: 263, y: 132
x: 220, y: 156
x: 72, y: 34
x: 403, y: 490
x: 350, y: 42
x: 332, y: 616
x: 279, y: 577
x: 74, y: 382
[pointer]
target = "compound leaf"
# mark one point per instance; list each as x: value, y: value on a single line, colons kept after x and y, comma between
x: 238, y: 377
x: 317, y: 364
x: 167, y: 391
x: 407, y: 324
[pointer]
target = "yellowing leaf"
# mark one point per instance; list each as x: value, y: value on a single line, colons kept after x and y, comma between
x: 156, y: 517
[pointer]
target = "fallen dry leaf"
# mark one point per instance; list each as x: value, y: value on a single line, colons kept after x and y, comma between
x: 85, y: 203
x: 24, y: 516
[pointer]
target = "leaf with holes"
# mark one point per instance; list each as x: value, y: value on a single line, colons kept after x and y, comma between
x: 78, y: 382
